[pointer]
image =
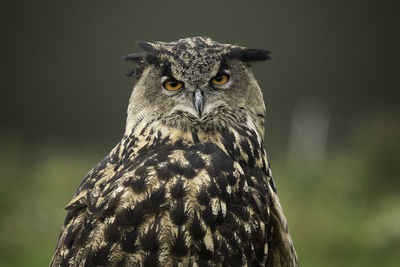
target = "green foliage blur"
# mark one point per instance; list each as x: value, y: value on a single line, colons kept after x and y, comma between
x: 331, y: 91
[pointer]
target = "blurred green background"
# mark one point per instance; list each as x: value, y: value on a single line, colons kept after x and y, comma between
x: 331, y: 90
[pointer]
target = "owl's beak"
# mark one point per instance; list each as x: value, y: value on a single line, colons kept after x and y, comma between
x: 198, y: 101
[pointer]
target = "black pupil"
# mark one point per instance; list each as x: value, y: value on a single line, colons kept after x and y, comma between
x: 219, y: 79
x: 173, y: 84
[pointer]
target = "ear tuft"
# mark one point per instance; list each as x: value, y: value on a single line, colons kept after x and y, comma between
x: 249, y: 54
x: 147, y: 46
x: 142, y: 58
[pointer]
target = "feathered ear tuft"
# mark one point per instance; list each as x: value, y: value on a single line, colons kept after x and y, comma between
x: 142, y: 58
x: 147, y: 46
x: 249, y: 54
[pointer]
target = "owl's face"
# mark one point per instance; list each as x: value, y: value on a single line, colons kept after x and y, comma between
x: 196, y: 83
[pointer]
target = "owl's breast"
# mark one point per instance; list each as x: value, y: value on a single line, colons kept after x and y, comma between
x: 201, y: 199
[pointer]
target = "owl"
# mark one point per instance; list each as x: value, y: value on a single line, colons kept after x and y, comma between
x: 190, y: 183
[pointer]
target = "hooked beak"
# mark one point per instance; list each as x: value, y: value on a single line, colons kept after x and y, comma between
x: 198, y: 101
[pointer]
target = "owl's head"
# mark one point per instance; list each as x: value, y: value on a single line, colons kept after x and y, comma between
x: 196, y: 84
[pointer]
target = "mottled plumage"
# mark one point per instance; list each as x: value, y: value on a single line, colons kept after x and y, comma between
x: 190, y: 183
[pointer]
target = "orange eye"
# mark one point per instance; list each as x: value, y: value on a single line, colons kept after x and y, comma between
x: 172, y: 85
x: 220, y: 79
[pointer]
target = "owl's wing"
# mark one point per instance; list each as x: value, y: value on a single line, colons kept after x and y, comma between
x: 283, y: 253
x: 78, y: 224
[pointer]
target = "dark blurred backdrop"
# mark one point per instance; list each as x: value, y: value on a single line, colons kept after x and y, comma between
x: 331, y: 91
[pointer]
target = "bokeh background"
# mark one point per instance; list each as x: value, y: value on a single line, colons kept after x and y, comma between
x: 331, y: 89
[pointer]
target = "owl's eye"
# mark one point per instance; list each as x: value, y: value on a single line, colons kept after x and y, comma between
x: 220, y: 79
x: 172, y: 85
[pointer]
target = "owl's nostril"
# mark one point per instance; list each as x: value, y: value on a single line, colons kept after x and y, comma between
x: 198, y: 101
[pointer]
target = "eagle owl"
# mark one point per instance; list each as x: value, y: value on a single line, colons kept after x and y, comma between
x: 190, y: 183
